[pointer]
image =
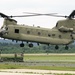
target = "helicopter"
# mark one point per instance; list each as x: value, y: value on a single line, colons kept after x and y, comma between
x: 62, y: 34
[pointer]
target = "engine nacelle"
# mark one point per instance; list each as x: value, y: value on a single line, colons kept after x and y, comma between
x: 65, y: 29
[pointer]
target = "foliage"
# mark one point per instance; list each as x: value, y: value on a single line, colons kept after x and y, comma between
x: 9, y: 47
x: 12, y: 59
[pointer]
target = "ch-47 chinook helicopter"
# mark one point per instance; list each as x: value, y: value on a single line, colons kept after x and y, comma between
x: 62, y: 34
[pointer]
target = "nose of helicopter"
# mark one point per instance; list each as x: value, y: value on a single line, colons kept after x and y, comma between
x: 2, y: 32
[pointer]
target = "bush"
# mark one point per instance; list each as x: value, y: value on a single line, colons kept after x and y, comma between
x: 12, y: 59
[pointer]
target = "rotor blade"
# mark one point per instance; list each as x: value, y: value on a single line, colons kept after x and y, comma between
x: 31, y: 13
x: 49, y: 14
x: 72, y: 14
x: 56, y: 15
x: 3, y: 15
x: 38, y: 13
x: 25, y: 15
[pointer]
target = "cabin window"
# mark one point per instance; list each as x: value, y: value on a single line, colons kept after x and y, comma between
x: 59, y: 36
x: 49, y: 35
x: 39, y: 33
x: 16, y: 30
x: 28, y: 32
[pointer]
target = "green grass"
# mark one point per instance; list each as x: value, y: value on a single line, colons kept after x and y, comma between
x: 55, y: 58
x: 45, y: 57
x: 69, y: 58
x: 17, y: 66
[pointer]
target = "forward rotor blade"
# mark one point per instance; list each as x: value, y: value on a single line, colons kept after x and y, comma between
x: 25, y: 15
x: 32, y: 13
x: 3, y: 15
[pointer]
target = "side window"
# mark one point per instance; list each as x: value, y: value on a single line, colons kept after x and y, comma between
x: 28, y: 32
x: 60, y: 36
x: 39, y: 33
x: 49, y: 35
x: 16, y: 30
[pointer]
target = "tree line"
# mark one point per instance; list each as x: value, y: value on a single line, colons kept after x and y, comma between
x: 42, y: 48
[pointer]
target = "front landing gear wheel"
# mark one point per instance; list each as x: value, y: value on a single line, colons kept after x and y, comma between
x: 22, y: 45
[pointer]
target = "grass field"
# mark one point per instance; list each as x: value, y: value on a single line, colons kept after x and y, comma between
x: 18, y: 66
x: 70, y: 58
x: 52, y: 57
x: 46, y: 57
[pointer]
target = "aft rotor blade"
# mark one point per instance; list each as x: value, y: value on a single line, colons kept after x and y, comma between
x: 72, y: 14
x: 56, y: 15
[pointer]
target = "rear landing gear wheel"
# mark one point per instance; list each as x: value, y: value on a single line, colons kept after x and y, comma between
x: 22, y: 45
x: 66, y: 47
x: 56, y: 47
x: 30, y: 45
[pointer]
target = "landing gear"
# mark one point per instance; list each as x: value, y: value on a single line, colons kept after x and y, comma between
x: 22, y: 45
x: 38, y: 44
x: 30, y: 45
x: 56, y: 47
x: 66, y: 47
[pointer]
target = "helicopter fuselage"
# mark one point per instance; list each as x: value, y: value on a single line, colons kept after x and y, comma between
x: 62, y: 34
x: 37, y: 34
